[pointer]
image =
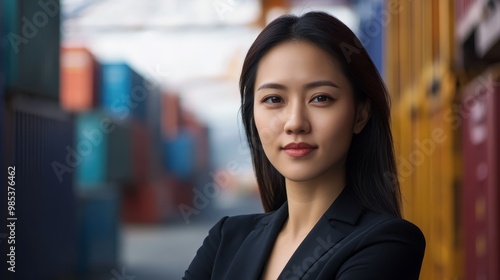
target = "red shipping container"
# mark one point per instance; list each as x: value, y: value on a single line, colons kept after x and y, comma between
x: 146, y: 203
x: 170, y: 115
x: 79, y: 79
x: 141, y: 143
x: 481, y: 196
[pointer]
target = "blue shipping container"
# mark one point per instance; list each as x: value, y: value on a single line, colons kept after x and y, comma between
x: 36, y: 134
x: 103, y: 149
x: 32, y: 41
x: 98, y: 227
x: 179, y: 154
x: 123, y: 93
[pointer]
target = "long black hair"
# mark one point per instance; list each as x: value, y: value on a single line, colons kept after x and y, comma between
x: 370, y: 166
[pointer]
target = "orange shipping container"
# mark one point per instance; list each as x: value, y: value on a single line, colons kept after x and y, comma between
x: 79, y: 79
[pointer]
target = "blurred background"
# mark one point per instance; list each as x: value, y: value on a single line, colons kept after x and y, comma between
x: 121, y: 119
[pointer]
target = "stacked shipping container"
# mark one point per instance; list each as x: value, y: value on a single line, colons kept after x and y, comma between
x: 430, y: 51
x: 35, y: 133
x: 481, y: 135
x: 421, y: 80
x: 88, y: 147
x: 79, y: 79
x: 478, y: 45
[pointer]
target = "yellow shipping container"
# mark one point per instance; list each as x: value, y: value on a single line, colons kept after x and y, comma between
x: 422, y: 85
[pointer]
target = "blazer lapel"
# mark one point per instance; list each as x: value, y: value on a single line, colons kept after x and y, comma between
x: 318, y: 246
x: 254, y: 251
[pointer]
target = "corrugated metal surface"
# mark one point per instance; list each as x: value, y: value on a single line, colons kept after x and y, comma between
x: 420, y: 53
x: 79, y: 79
x: 37, y: 134
x: 33, y: 38
x: 98, y: 228
x: 481, y: 194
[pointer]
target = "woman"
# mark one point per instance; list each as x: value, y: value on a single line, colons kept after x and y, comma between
x: 316, y: 117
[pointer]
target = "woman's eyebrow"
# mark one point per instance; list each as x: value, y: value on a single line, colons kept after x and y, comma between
x: 271, y: 86
x: 320, y: 84
x: 306, y: 86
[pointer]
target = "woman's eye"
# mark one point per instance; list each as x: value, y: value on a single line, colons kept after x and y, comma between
x: 273, y: 99
x: 321, y: 98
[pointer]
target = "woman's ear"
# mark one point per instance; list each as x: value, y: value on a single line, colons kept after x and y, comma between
x: 362, y: 116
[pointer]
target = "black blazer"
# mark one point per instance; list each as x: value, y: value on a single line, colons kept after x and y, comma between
x: 348, y: 242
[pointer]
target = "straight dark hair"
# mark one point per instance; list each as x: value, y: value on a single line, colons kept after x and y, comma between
x: 370, y: 166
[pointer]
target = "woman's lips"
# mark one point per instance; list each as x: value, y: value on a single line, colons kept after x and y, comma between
x: 299, y: 149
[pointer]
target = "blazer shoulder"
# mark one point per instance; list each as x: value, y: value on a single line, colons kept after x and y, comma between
x: 385, y: 228
x: 386, y: 248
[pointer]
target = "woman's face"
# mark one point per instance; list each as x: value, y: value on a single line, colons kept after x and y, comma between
x: 304, y: 111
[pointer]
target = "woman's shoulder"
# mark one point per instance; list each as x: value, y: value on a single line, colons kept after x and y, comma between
x: 382, y: 227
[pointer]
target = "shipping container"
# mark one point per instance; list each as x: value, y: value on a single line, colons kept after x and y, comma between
x: 419, y: 60
x: 200, y: 135
x: 170, y: 115
x: 79, y: 79
x: 98, y: 218
x: 182, y: 192
x: 179, y: 154
x: 154, y: 126
x: 36, y: 135
x: 123, y: 92
x: 154, y: 112
x: 140, y: 138
x: 32, y: 30
x: 102, y: 150
x: 147, y: 202
x: 481, y: 193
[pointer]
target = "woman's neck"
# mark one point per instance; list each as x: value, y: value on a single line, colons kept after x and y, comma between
x: 308, y: 201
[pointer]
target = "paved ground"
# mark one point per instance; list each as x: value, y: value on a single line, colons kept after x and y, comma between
x: 164, y: 252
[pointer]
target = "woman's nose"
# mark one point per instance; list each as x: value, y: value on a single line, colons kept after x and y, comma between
x: 297, y: 121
